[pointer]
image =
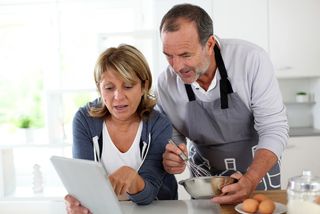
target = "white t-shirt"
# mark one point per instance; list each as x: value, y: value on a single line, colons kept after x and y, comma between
x: 113, y: 159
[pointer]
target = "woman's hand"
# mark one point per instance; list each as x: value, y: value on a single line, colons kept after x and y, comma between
x: 237, y: 192
x: 126, y: 180
x: 73, y: 206
x: 172, y: 162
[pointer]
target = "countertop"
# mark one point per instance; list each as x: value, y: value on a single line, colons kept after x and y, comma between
x: 303, y: 132
x: 157, y: 207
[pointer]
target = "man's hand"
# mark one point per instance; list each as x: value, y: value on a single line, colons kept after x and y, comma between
x: 237, y: 192
x: 263, y: 161
x: 172, y: 162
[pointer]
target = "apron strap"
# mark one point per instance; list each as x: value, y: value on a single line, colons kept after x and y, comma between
x: 190, y: 92
x: 225, y: 85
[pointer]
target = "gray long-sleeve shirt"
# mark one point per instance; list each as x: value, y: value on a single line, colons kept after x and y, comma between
x: 252, y: 76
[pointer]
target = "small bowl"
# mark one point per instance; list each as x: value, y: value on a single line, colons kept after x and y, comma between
x: 206, y: 187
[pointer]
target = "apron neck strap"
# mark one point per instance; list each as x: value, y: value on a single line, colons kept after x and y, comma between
x: 225, y: 85
x: 190, y: 92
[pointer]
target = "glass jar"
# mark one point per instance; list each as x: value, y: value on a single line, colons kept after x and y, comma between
x: 304, y: 194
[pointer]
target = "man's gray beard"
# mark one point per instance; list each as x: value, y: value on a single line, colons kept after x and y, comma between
x: 200, y: 72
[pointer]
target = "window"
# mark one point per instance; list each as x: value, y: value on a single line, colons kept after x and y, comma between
x: 48, y: 49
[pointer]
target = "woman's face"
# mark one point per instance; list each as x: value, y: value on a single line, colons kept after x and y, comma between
x: 122, y: 99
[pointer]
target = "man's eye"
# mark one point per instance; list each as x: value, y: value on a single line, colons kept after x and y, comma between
x: 108, y: 88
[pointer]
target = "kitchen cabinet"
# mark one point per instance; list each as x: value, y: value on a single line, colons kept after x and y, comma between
x: 245, y: 19
x: 294, y: 37
x: 286, y: 29
x: 302, y: 153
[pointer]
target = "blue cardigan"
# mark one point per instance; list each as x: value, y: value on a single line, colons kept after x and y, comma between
x: 155, y: 134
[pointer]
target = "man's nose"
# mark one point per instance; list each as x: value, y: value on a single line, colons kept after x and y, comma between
x: 177, y: 64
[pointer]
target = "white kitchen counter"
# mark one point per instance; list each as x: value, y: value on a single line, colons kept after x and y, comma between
x: 157, y: 207
x: 303, y: 132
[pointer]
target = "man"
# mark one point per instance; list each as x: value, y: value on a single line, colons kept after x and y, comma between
x: 223, y: 96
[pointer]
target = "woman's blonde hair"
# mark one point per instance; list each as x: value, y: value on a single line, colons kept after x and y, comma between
x: 132, y: 66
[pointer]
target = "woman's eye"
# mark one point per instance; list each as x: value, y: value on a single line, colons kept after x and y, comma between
x: 108, y: 88
x: 128, y: 86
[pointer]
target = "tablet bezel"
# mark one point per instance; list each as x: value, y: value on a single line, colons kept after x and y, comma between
x: 88, y: 182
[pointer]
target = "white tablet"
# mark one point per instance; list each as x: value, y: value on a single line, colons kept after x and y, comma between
x: 87, y: 181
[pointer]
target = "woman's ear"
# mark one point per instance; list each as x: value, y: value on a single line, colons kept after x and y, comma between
x: 145, y: 87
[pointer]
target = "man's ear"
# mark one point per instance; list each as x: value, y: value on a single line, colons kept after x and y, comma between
x: 210, y: 44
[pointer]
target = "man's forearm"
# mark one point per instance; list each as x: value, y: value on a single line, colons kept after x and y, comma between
x: 263, y: 161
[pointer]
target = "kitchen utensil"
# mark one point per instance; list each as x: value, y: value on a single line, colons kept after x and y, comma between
x: 196, y: 170
x: 206, y: 187
x: 304, y: 193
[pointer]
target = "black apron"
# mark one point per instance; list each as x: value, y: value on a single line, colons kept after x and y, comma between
x: 222, y: 132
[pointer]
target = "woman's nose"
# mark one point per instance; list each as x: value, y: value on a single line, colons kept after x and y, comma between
x: 118, y: 94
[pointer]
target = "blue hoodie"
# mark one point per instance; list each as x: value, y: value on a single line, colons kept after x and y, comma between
x: 155, y: 134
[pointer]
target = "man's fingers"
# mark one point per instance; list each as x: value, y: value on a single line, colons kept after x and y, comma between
x: 172, y: 159
x: 237, y: 175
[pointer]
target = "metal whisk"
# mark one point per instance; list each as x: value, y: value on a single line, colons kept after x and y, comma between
x: 196, y: 170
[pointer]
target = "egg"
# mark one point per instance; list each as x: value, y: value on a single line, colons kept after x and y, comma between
x: 266, y: 207
x: 260, y: 197
x: 250, y: 205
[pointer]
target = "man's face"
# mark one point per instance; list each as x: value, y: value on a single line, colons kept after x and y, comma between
x: 188, y: 58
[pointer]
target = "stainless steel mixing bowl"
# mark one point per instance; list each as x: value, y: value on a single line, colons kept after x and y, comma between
x: 206, y: 187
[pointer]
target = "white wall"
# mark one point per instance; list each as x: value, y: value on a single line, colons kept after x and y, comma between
x: 316, y: 109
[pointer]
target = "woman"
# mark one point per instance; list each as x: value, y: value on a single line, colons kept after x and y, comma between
x: 123, y: 131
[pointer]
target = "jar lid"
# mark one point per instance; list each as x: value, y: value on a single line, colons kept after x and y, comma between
x: 304, y: 183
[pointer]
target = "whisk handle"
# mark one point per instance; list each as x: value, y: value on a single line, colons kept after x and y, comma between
x: 182, y: 155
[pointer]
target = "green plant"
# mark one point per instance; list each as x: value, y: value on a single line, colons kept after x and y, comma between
x: 24, y: 122
x: 301, y: 93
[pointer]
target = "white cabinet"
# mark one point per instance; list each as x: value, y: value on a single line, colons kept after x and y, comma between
x: 294, y: 37
x: 287, y: 29
x: 302, y: 153
x: 245, y: 19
